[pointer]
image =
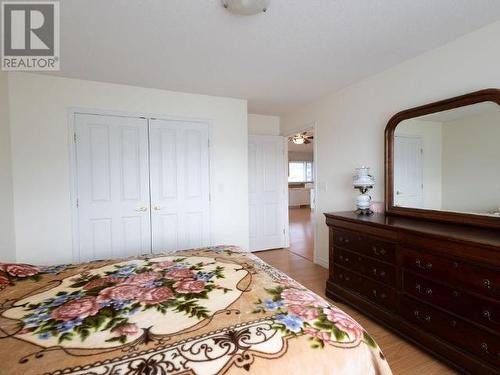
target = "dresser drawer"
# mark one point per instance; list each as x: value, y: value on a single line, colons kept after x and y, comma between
x: 369, y: 267
x: 348, y: 240
x: 480, y: 310
x: 475, y: 278
x: 366, y: 245
x: 456, y: 331
x: 374, y: 291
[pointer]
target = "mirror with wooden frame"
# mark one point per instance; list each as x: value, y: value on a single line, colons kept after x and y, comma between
x: 442, y: 160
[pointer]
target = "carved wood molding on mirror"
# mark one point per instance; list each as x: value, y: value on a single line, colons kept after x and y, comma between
x: 428, y: 211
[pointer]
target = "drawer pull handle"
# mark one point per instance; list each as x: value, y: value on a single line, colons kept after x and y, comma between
x: 375, y: 294
x: 426, y: 318
x: 487, y: 283
x: 453, y: 323
x: 422, y: 266
x: 484, y: 347
x: 378, y: 252
x: 344, y: 240
x: 379, y: 273
x: 419, y: 288
x: 455, y: 293
x: 487, y: 315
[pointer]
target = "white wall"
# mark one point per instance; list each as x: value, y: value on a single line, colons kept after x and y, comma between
x: 351, y: 122
x: 7, y: 237
x: 300, y: 156
x: 431, y: 134
x: 39, y: 131
x: 263, y: 125
x: 471, y: 171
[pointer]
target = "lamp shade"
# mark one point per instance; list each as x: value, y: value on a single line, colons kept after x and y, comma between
x: 362, y: 178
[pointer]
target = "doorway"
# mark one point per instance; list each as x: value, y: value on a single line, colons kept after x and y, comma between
x: 301, y: 192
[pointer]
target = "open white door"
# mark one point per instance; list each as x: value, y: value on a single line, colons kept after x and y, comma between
x: 408, y: 171
x: 267, y: 193
x: 113, y: 186
x: 179, y: 185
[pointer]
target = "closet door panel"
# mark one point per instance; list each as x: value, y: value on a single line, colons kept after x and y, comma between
x: 179, y: 184
x: 112, y: 186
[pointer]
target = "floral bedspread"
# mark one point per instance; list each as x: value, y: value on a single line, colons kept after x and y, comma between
x: 202, y: 311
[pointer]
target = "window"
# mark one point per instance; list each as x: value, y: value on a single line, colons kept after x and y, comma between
x: 300, y: 171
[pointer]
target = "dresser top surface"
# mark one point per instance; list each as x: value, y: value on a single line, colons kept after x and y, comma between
x: 484, y: 236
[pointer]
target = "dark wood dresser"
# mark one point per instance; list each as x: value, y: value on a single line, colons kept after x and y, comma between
x: 435, y: 284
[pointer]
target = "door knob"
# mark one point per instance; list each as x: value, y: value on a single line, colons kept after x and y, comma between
x: 141, y: 209
x: 157, y: 208
x: 398, y: 192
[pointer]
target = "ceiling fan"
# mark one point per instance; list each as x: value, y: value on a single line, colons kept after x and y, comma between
x: 301, y: 138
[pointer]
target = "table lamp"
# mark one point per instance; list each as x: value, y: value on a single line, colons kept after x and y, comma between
x: 363, y: 181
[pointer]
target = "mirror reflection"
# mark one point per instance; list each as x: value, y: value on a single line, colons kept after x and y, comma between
x: 450, y: 161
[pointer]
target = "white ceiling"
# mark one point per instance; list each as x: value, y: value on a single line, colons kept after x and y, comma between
x: 295, y: 53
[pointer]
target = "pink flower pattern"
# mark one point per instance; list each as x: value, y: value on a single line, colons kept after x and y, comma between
x: 122, y: 292
x: 79, y: 308
x: 189, y: 286
x: 129, y: 329
x: 143, y: 278
x: 113, y: 298
x: 302, y: 297
x: 345, y: 323
x: 180, y: 274
x: 306, y: 313
x: 156, y: 295
x: 19, y: 269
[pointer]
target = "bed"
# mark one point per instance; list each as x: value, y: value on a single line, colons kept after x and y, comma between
x: 213, y: 310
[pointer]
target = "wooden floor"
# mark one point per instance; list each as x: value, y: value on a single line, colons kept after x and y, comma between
x: 301, y: 232
x: 403, y: 357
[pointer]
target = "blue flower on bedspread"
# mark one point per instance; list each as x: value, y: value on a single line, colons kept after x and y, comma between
x: 301, y: 312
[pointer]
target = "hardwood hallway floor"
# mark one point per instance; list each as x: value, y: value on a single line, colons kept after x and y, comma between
x: 301, y: 232
x: 403, y: 357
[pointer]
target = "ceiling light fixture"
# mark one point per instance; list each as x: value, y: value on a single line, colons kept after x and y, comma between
x: 301, y: 138
x: 298, y: 140
x: 246, y: 7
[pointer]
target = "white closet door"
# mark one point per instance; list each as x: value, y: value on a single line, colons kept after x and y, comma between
x: 112, y: 186
x: 179, y: 184
x: 408, y: 171
x: 266, y: 177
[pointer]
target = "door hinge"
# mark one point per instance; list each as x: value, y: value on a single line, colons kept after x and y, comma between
x: 74, y: 137
x: 284, y: 231
x: 77, y: 203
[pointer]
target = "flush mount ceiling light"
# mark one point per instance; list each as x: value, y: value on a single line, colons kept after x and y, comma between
x: 246, y: 7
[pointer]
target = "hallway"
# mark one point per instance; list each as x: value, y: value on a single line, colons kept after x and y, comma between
x: 302, y: 232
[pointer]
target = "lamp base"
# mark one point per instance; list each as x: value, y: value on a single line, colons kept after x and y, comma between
x: 364, y: 211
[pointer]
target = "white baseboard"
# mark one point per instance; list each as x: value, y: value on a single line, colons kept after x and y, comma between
x: 322, y: 262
